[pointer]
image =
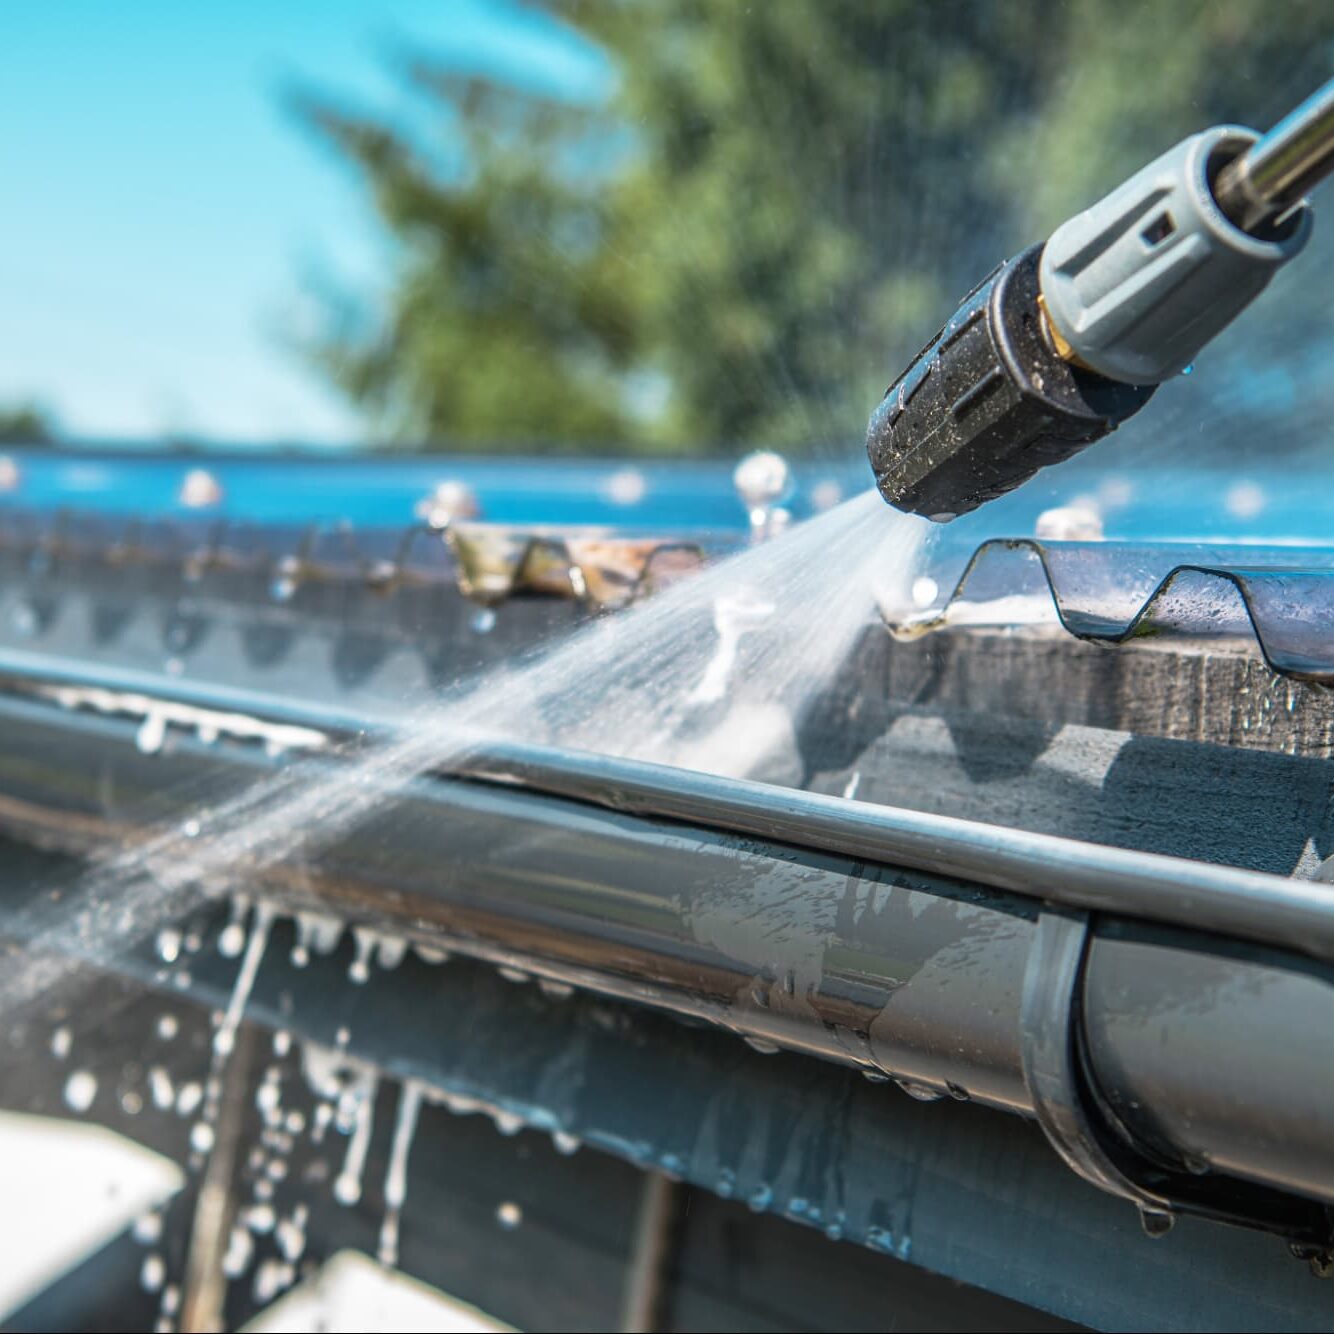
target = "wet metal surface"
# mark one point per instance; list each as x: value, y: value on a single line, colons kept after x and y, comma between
x: 960, y: 1190
x: 1280, y: 598
x: 904, y: 965
x: 365, y: 586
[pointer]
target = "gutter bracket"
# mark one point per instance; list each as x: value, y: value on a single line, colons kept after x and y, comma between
x: 1052, y: 1020
x: 1095, y: 1144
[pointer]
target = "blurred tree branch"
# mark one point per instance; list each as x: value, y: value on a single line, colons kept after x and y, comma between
x: 771, y: 212
x: 27, y: 424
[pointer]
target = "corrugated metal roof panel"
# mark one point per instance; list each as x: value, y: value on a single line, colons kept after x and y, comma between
x: 1279, y: 597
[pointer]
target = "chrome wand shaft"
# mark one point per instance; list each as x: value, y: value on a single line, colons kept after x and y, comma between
x: 1281, y: 167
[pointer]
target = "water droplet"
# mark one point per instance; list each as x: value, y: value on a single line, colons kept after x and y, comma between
x: 483, y: 620
x: 360, y: 968
x: 168, y: 945
x: 1155, y: 1222
x: 508, y: 1123
x: 290, y: 1234
x: 232, y: 940
x: 270, y: 1279
x: 925, y: 590
x: 161, y: 1088
x: 80, y: 1090
x: 1188, y: 370
x: 240, y: 1251
x: 565, y: 1142
x: 922, y: 1092
x: 61, y: 1042
x: 147, y: 1228
x: 509, y: 1215
x: 201, y: 1137
x: 152, y: 733
x: 153, y: 1272
x: 167, y: 1027
x: 760, y: 1198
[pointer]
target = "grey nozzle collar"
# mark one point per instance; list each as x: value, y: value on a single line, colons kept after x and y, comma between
x: 1141, y: 281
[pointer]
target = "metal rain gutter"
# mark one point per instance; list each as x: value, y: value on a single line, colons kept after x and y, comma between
x: 1169, y: 1023
x: 1251, y: 905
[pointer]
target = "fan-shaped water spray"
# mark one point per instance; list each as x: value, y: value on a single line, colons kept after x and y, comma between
x: 715, y: 673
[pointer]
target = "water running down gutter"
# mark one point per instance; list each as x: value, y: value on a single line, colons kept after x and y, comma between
x: 1170, y: 1023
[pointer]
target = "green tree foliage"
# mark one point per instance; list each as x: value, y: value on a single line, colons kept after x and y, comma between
x: 24, y: 424
x: 774, y: 208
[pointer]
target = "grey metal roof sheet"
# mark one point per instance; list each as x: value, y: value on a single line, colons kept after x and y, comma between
x: 1281, y: 597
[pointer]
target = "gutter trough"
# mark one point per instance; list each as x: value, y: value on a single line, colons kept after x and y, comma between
x: 1170, y: 1024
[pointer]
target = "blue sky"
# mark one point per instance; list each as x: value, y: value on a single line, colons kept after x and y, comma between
x: 160, y: 207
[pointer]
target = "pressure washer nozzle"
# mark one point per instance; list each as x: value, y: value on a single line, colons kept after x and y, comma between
x: 1057, y: 347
